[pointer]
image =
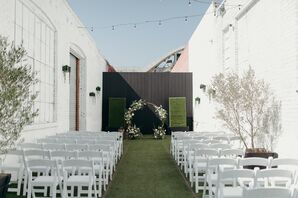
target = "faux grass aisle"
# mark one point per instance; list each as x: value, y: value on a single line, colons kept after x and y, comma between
x: 147, y: 171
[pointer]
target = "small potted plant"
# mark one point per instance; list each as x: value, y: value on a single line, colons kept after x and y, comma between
x: 248, y: 108
x: 16, y: 99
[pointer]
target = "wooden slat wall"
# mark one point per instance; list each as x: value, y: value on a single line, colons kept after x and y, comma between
x: 152, y: 87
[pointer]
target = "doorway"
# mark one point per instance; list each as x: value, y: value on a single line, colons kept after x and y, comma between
x: 74, y: 94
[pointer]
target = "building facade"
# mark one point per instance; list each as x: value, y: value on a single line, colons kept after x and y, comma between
x: 237, y: 34
x: 53, y: 37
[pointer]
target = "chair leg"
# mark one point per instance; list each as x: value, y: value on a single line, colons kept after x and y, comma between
x: 29, y: 190
x: 90, y: 190
x: 25, y: 184
x: 53, y: 191
x: 20, y: 175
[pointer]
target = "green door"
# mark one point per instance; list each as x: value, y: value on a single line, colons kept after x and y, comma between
x: 177, y: 111
x: 116, y: 112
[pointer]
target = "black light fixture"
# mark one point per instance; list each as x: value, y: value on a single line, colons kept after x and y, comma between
x: 98, y: 88
x: 202, y: 86
x: 66, y: 68
x: 92, y: 94
x: 198, y: 100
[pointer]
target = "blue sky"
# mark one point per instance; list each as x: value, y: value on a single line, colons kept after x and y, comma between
x: 140, y: 46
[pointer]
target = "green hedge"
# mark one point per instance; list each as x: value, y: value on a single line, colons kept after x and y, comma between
x: 177, y: 111
x: 116, y: 112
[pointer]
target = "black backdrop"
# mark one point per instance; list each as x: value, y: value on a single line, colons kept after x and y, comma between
x: 152, y: 87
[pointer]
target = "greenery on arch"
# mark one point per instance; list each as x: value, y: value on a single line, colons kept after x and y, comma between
x: 133, y: 130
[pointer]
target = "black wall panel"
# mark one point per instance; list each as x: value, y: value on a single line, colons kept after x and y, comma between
x: 152, y: 87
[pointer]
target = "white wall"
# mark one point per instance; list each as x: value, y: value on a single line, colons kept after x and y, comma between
x: 68, y: 38
x: 263, y: 35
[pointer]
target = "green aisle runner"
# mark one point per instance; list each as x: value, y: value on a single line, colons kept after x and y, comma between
x: 147, y: 170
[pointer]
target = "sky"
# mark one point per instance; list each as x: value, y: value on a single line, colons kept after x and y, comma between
x: 140, y: 46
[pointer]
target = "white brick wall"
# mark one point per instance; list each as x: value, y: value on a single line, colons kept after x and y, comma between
x: 68, y: 35
x: 265, y: 37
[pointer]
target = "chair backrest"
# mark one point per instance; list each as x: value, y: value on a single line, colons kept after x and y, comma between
x: 96, y: 156
x: 232, y: 153
x: 211, y: 141
x: 63, y: 155
x: 284, y: 178
x: 223, y: 139
x: 281, y: 162
x: 220, y: 146
x: 36, y: 154
x: 78, y: 167
x: 253, y: 161
x: 53, y: 147
x: 76, y: 147
x: 232, y: 177
x: 267, y: 193
x: 50, y: 166
x: 204, y: 154
x: 30, y: 146
x: 46, y: 140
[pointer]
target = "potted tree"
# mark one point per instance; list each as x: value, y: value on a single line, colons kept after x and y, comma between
x: 249, y: 109
x: 16, y: 98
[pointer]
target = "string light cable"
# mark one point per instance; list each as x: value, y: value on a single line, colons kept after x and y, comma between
x: 156, y: 21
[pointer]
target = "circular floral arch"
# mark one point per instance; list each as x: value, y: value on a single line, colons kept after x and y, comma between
x: 133, y: 131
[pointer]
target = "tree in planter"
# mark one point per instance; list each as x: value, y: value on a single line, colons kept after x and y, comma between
x: 16, y: 97
x: 248, y: 108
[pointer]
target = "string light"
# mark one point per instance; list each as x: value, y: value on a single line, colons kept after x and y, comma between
x: 189, y: 2
x: 158, y: 21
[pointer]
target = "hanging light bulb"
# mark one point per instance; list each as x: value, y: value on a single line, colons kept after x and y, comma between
x: 186, y: 19
x: 113, y: 27
x: 189, y: 2
x: 159, y: 22
x: 135, y: 26
x: 91, y: 29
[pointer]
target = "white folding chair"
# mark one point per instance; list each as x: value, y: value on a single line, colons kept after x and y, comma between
x: 267, y: 193
x: 51, y: 178
x: 97, y: 157
x: 107, y: 159
x: 230, y: 185
x: 211, y: 176
x: 79, y: 173
x: 12, y: 163
x: 200, y: 165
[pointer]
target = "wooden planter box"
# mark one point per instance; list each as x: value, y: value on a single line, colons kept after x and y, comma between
x: 259, y: 154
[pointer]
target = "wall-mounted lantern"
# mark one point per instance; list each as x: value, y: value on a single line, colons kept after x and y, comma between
x: 92, y: 94
x: 65, y: 69
x: 198, y: 100
x: 203, y: 87
x: 98, y: 88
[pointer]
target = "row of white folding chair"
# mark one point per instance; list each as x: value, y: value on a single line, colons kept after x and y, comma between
x: 105, y: 148
x: 118, y: 145
x: 204, y: 164
x: 69, y: 145
x: 178, y: 139
x: 190, y: 145
x: 14, y: 164
x: 270, y: 193
x: 60, y: 156
x: 78, y: 173
x: 232, y: 183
